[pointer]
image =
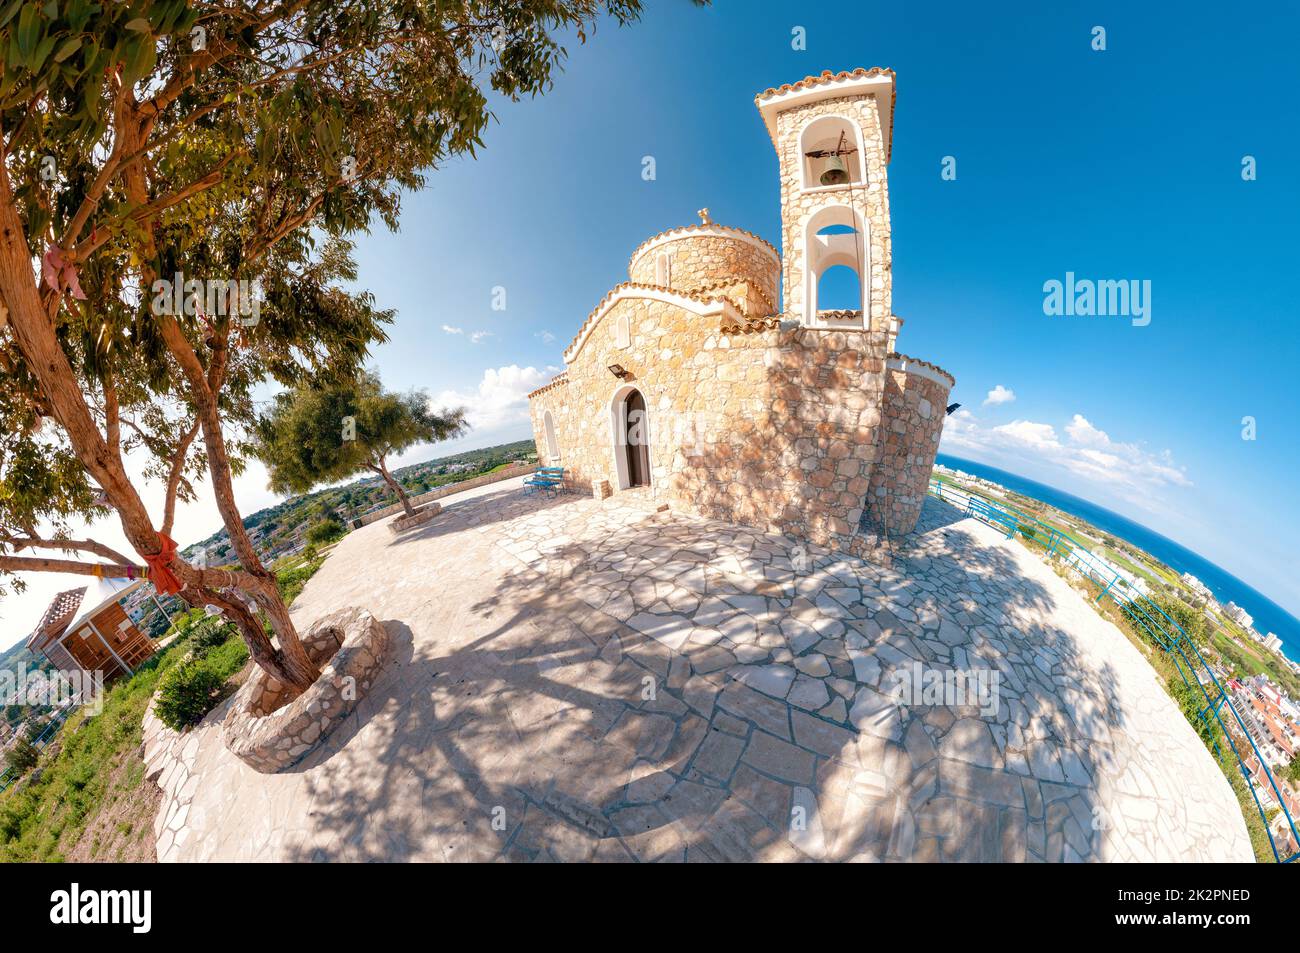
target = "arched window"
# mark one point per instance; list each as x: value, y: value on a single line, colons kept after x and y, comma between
x: 832, y: 153
x: 552, y: 445
x: 837, y: 248
x: 663, y: 270
x: 623, y: 331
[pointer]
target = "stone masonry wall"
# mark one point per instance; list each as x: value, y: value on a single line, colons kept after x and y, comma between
x: 872, y: 201
x: 914, y: 411
x: 508, y: 473
x: 699, y: 260
x: 776, y: 428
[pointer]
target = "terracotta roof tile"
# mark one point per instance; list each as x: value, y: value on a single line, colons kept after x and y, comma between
x: 916, y: 360
x: 826, y: 76
x: 636, y: 286
x: 753, y: 327
x: 57, y: 614
x: 556, y: 381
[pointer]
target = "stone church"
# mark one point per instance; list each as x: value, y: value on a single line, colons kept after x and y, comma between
x: 692, y: 381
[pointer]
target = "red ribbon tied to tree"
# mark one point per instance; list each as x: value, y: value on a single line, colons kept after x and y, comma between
x: 61, y: 274
x: 160, y: 573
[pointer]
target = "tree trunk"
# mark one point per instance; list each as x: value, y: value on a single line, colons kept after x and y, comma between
x: 260, y: 649
x: 261, y: 586
x: 396, y: 488
x: 34, y: 333
x: 301, y: 670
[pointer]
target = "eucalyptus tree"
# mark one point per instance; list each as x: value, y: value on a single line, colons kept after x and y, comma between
x: 179, y: 181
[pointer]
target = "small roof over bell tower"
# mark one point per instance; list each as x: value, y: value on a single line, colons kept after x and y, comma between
x: 828, y: 85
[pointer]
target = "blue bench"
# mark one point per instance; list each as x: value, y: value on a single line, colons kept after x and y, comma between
x: 545, y: 480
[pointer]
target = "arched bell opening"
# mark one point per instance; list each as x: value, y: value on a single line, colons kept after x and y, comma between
x: 832, y: 153
x: 837, y: 254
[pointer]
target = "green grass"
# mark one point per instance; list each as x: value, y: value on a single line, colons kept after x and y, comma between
x: 292, y: 579
x: 41, y: 819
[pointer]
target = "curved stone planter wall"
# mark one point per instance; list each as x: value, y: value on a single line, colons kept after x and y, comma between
x: 402, y: 523
x: 270, y: 736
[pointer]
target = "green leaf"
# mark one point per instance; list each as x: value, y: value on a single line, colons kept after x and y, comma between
x: 70, y: 46
x: 140, y: 61
x: 139, y: 25
x: 28, y: 33
x: 10, y: 11
x: 41, y: 52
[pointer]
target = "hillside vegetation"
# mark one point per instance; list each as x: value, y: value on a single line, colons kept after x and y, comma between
x: 87, y: 798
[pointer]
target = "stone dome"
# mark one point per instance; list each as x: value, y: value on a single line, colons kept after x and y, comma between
x: 699, y: 257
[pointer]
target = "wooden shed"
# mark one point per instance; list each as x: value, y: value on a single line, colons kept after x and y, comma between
x: 88, y: 629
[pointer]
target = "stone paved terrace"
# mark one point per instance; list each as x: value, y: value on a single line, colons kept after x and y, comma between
x: 576, y: 680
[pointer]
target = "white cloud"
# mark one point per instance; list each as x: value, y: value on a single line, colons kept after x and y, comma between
x: 450, y: 330
x: 477, y: 336
x: 546, y: 336
x: 1082, y: 432
x: 1000, y: 395
x: 501, y: 399
x: 1029, y: 434
x: 1129, y: 470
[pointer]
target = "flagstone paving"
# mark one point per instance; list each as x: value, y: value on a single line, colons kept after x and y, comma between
x: 596, y: 680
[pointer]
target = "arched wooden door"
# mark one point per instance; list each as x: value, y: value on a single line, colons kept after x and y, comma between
x: 636, y: 442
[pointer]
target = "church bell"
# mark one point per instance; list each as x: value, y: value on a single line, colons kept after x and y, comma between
x: 834, y: 173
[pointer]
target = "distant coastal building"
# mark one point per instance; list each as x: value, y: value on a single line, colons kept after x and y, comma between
x: 1238, y: 615
x: 720, y: 379
x: 1266, y: 719
x: 1272, y: 642
x: 1196, y: 585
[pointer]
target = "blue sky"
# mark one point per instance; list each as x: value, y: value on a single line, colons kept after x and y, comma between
x: 1117, y: 164
x: 1121, y: 164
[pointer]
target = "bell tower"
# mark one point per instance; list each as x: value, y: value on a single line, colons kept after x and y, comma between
x: 832, y: 135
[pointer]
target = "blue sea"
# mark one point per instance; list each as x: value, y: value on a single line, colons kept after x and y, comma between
x: 1269, y: 616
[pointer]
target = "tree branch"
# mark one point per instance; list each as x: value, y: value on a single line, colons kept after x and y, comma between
x: 19, y: 543
x: 74, y: 566
x: 174, y: 477
x: 112, y: 416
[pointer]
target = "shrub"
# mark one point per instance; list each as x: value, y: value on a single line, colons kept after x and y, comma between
x: 226, y: 659
x: 22, y: 756
x: 209, y: 633
x: 292, y: 579
x: 1191, y: 701
x: 326, y: 531
x: 187, y: 693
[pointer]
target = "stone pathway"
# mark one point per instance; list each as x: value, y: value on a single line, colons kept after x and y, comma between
x: 575, y: 680
x: 168, y: 759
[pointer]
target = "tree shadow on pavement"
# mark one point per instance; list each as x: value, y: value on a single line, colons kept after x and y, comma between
x: 644, y: 687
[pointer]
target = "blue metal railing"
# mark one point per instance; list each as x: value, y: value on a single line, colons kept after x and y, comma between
x: 1145, y: 615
